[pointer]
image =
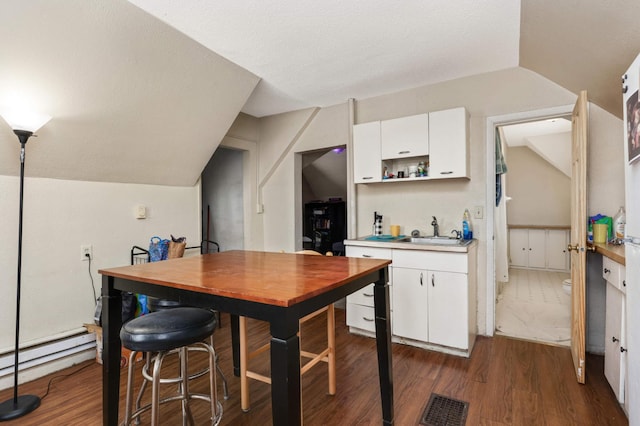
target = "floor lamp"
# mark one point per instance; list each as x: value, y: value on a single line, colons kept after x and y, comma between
x: 23, y: 125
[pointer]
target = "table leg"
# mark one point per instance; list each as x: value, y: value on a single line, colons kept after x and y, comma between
x: 111, y: 346
x: 235, y: 344
x: 383, y: 343
x: 285, y: 374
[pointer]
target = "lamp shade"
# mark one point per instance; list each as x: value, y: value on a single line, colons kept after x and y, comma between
x: 25, y: 120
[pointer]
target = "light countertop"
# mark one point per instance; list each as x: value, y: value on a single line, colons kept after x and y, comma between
x: 405, y: 245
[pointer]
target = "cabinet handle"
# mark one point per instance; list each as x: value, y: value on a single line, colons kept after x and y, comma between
x: 368, y: 319
x: 421, y: 278
x: 367, y: 177
x: 367, y: 294
x: 404, y: 152
x: 624, y: 283
x: 366, y: 255
x: 622, y: 350
x: 613, y: 339
x: 447, y: 172
x: 433, y: 283
x: 606, y: 271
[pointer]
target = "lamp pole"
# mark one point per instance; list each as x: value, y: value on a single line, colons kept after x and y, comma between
x: 21, y: 405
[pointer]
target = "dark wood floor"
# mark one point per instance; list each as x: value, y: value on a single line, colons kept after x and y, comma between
x: 506, y: 382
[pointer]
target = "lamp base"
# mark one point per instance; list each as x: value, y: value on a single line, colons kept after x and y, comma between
x: 10, y: 410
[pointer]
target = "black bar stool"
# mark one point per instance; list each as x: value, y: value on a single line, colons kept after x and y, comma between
x: 164, y: 332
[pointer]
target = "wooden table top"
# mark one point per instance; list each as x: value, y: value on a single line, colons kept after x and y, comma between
x: 279, y: 279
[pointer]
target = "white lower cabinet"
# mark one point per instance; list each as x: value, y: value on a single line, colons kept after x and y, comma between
x: 539, y: 248
x: 615, y: 344
x: 410, y: 298
x: 360, y: 305
x: 448, y: 309
x: 433, y: 297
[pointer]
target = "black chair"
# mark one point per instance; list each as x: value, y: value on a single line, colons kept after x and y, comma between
x: 165, y: 332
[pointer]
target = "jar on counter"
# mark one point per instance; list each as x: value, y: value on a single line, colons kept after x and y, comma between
x: 422, y: 170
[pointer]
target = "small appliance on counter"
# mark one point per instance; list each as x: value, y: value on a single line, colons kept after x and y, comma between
x: 377, y: 224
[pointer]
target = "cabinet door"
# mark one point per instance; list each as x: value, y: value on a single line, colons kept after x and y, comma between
x: 448, y: 144
x: 537, y: 248
x: 410, y: 304
x: 613, y: 337
x: 367, y: 164
x: 448, y: 309
x: 519, y: 247
x: 405, y: 137
x: 557, y: 255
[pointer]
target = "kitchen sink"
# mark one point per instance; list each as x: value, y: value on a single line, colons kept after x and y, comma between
x: 439, y: 241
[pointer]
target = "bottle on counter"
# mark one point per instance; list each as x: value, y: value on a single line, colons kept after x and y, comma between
x: 467, y: 230
x: 619, y: 222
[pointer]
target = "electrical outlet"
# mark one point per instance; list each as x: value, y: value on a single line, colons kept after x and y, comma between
x: 478, y: 212
x: 86, y: 252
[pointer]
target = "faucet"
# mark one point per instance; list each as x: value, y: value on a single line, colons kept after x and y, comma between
x: 458, y: 234
x: 436, y: 228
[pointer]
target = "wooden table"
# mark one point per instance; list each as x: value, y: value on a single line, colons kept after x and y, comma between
x: 279, y: 288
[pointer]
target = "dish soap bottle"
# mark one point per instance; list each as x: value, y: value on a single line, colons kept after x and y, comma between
x: 619, y: 221
x: 467, y: 231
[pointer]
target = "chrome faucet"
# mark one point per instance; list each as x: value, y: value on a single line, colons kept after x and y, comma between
x: 436, y: 228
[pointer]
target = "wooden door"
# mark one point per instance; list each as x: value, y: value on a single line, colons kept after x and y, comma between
x: 577, y: 245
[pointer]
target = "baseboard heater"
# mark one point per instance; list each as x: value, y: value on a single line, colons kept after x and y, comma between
x: 47, y: 352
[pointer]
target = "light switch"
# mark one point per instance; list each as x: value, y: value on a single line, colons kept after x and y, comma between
x: 141, y: 211
x: 478, y: 212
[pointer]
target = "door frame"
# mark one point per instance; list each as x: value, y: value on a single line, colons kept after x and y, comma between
x: 491, y: 124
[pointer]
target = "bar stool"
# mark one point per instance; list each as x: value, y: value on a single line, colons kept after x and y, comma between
x: 165, y: 332
x: 327, y: 355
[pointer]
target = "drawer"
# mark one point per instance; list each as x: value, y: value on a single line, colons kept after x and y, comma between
x: 364, y: 296
x: 372, y: 252
x: 614, y: 273
x: 362, y: 317
x: 431, y: 260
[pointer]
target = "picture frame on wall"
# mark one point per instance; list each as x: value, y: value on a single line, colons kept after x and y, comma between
x: 633, y: 127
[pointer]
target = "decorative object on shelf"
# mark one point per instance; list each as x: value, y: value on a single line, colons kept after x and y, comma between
x: 24, y: 125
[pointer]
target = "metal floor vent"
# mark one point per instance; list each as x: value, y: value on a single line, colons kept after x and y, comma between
x: 443, y: 411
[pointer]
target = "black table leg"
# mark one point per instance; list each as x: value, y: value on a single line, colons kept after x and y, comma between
x: 285, y: 373
x: 383, y: 343
x: 111, y: 323
x: 235, y: 344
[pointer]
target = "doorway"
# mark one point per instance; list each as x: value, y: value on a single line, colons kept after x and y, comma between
x: 524, y: 208
x: 222, y: 199
x: 324, y: 195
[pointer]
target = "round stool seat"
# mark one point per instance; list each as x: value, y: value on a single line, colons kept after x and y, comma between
x: 156, y: 304
x: 168, y: 329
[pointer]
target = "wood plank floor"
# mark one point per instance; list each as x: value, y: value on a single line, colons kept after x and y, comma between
x: 506, y: 382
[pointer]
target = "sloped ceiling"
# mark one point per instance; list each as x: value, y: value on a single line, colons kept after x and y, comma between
x: 132, y: 99
x: 581, y: 45
x: 318, y: 53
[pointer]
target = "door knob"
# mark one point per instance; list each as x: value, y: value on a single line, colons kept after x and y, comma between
x: 570, y: 247
x: 591, y: 248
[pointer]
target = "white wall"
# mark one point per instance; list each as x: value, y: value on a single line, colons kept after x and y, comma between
x: 412, y: 204
x: 540, y: 193
x: 60, y: 216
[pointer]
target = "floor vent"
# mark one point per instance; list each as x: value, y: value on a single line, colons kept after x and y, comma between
x: 443, y: 411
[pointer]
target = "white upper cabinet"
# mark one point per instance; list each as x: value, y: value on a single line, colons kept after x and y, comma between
x: 405, y: 137
x: 449, y: 144
x: 367, y: 163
